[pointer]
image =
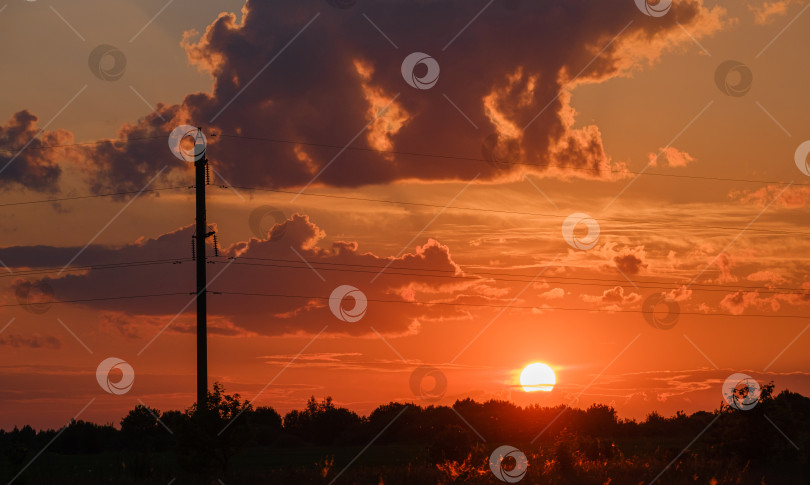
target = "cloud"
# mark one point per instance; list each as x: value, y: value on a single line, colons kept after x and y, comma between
x: 613, y: 298
x: 629, y: 260
x: 767, y: 11
x: 629, y: 264
x: 33, y: 167
x: 552, y: 294
x: 724, y: 264
x: 671, y: 157
x: 788, y: 197
x: 275, y: 286
x: 682, y: 293
x: 339, y: 84
x: 34, y: 341
x: 736, y: 303
x: 771, y: 277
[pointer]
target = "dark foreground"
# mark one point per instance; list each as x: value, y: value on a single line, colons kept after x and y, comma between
x: 410, y: 444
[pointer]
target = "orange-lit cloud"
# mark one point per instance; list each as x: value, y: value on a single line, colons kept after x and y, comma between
x: 767, y: 11
x: 671, y: 157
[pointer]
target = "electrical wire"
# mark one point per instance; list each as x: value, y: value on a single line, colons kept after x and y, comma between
x: 488, y: 305
x: 78, y: 197
x: 41, y: 271
x: 528, y: 279
x: 85, y: 300
x: 89, y: 143
x: 503, y: 211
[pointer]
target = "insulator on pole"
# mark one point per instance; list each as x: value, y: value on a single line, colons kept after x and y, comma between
x: 193, y: 253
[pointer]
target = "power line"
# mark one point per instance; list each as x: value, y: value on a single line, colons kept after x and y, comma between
x: 502, y: 273
x: 488, y: 305
x: 85, y: 300
x: 503, y: 211
x: 499, y: 162
x: 7, y: 204
x: 89, y: 143
x: 585, y: 282
x: 41, y: 271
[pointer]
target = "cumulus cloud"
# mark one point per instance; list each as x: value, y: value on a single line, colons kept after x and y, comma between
x: 772, y: 278
x: 613, y: 299
x: 789, y: 198
x: 736, y: 303
x: 629, y: 260
x: 671, y: 157
x: 724, y: 264
x: 339, y: 84
x: 23, y: 160
x: 682, y: 293
x: 267, y: 289
x: 552, y: 294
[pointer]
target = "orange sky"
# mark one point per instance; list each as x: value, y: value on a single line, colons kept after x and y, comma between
x: 568, y: 103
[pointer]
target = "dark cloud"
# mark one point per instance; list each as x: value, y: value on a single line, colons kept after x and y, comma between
x: 174, y: 245
x: 23, y: 161
x: 268, y: 289
x: 629, y: 264
x: 34, y: 341
x: 508, y: 70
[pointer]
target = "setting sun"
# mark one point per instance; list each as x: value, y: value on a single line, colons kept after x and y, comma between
x: 537, y: 377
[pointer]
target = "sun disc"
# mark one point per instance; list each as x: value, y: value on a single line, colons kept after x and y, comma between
x: 537, y: 377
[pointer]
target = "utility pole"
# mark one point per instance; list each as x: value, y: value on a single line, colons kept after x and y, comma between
x: 200, y: 166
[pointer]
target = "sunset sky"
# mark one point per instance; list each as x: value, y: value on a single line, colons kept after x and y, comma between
x: 445, y: 206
